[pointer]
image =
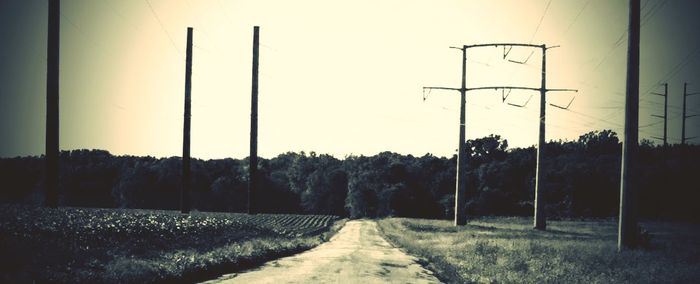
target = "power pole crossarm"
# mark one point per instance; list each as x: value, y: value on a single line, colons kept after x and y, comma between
x: 519, y: 88
x: 441, y: 88
x: 505, y: 44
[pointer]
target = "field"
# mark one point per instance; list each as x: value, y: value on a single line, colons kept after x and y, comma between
x: 507, y: 250
x: 82, y: 245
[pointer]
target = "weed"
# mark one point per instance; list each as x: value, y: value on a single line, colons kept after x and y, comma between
x: 507, y: 250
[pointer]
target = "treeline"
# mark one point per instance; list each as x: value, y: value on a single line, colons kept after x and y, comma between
x: 581, y: 179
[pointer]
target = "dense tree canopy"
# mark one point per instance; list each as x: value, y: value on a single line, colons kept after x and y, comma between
x: 581, y: 180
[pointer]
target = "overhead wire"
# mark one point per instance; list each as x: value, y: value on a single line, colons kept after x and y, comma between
x: 155, y: 15
x: 576, y: 17
x: 540, y: 22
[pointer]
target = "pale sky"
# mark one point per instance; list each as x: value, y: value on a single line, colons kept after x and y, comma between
x: 336, y: 77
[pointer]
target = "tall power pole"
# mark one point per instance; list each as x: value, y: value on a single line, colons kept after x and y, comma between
x: 685, y: 95
x: 460, y: 191
x: 540, y: 221
x: 186, y: 180
x: 52, y: 80
x: 253, y: 159
x: 665, y: 116
x: 627, y: 221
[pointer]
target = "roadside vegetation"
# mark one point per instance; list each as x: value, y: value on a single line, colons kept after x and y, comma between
x: 80, y: 245
x: 508, y: 250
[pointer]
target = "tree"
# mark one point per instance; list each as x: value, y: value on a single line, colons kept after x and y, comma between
x: 600, y: 142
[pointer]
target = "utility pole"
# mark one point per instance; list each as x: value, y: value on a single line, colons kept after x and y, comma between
x: 253, y: 159
x: 627, y: 226
x: 52, y: 80
x: 685, y: 95
x: 460, y: 215
x: 186, y: 180
x: 665, y: 116
x: 540, y: 221
x: 460, y: 191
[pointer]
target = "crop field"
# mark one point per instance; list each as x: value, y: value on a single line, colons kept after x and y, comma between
x: 85, y: 245
x: 508, y: 250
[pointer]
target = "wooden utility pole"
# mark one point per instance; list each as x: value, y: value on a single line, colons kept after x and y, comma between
x: 253, y: 159
x: 460, y: 191
x: 52, y: 80
x: 665, y: 116
x: 186, y: 179
x: 685, y: 95
x: 540, y: 221
x: 627, y: 226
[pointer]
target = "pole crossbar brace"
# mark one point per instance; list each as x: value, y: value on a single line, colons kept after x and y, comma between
x: 567, y: 105
x: 522, y: 105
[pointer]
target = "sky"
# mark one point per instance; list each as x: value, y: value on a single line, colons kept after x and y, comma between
x: 337, y: 77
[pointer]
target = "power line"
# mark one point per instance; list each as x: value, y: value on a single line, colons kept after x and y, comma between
x: 647, y: 16
x: 540, y: 22
x: 163, y: 27
x: 652, y: 11
x: 577, y: 16
x: 675, y: 70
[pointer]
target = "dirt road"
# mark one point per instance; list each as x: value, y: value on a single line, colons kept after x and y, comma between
x: 356, y: 254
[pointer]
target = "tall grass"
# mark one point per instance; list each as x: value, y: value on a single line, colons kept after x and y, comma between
x: 507, y: 250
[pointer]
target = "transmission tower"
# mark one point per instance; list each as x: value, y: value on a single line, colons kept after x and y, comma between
x: 665, y: 116
x: 460, y: 216
x: 685, y: 95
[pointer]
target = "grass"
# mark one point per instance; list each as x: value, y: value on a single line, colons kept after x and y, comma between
x: 508, y: 250
x: 83, y: 245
